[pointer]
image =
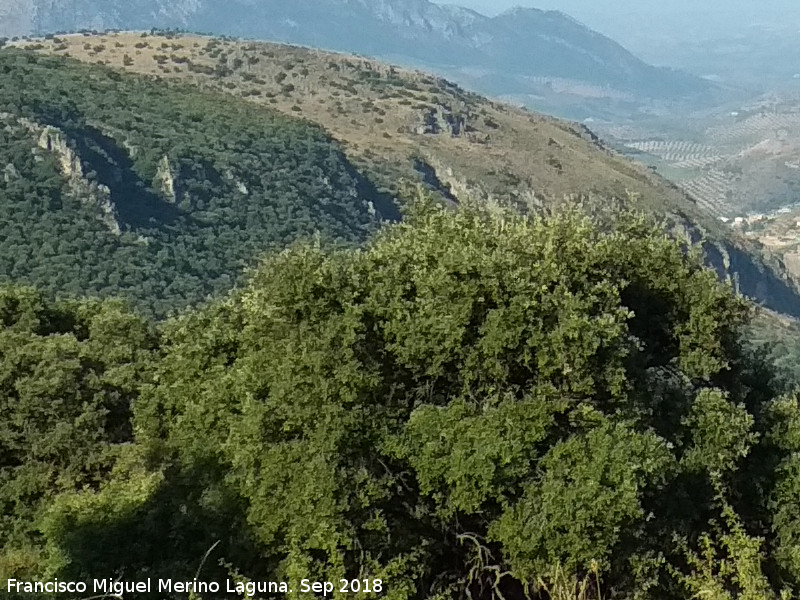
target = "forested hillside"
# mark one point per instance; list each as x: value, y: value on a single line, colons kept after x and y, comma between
x: 117, y: 185
x: 398, y: 125
x: 473, y: 406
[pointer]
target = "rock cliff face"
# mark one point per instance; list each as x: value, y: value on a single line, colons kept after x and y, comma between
x: 165, y: 178
x: 16, y: 18
x: 54, y: 141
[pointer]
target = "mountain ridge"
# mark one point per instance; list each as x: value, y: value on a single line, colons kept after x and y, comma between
x: 399, y: 125
x: 518, y: 49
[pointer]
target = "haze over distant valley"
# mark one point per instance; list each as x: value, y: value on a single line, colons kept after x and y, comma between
x: 740, y: 41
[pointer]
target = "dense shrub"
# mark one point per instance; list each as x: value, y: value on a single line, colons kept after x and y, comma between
x: 473, y: 405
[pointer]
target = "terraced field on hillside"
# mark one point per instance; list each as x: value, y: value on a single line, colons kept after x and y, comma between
x: 737, y: 164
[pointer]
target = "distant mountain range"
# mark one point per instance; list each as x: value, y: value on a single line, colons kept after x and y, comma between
x: 527, y: 55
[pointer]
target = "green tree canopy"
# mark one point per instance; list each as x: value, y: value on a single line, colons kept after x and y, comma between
x: 69, y: 373
x: 472, y: 403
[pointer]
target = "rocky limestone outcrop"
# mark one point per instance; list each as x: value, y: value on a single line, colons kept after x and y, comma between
x: 166, y: 180
x: 10, y: 173
x: 456, y: 187
x: 240, y: 185
x: 442, y: 119
x: 752, y: 273
x: 53, y: 140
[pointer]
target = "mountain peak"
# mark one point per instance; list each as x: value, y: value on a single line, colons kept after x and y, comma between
x: 537, y: 14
